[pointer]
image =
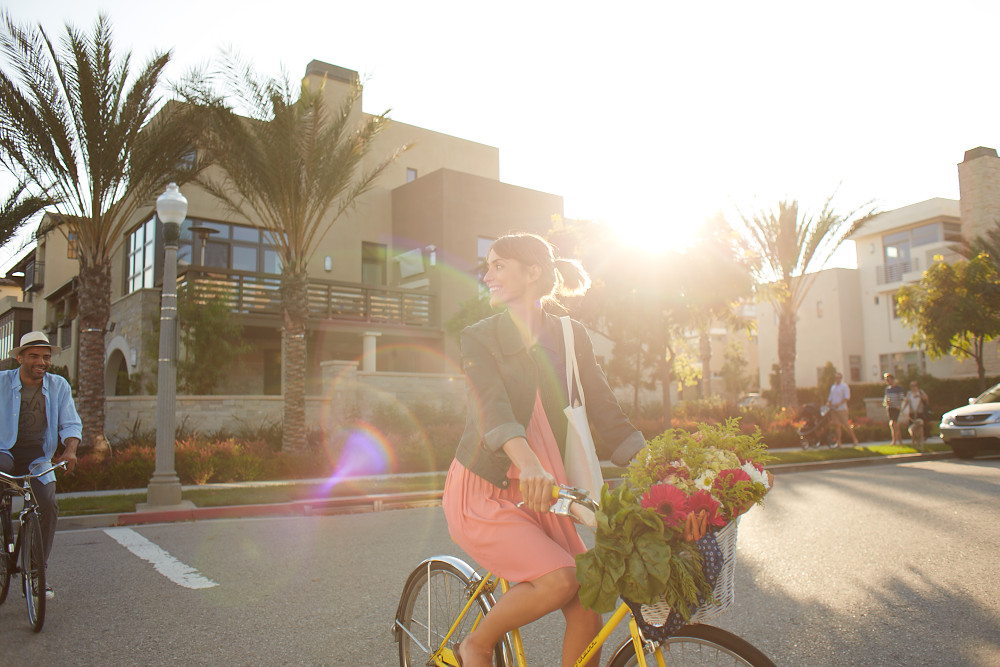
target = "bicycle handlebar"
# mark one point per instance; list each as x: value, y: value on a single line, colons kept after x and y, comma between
x: 565, y: 497
x: 10, y: 480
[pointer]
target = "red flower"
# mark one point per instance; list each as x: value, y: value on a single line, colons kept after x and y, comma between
x: 667, y: 501
x: 703, y: 500
x: 722, y: 488
x: 729, y: 477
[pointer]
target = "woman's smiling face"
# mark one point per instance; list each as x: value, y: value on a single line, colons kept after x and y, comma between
x: 509, y: 280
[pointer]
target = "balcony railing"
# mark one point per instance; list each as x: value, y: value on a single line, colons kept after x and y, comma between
x: 258, y: 294
x: 893, y: 273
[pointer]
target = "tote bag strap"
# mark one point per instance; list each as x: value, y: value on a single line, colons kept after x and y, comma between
x: 572, y: 368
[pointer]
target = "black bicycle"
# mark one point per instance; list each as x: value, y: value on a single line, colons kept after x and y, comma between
x: 24, y: 555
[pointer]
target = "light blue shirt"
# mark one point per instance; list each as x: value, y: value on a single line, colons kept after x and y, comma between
x: 60, y: 412
x: 840, y: 393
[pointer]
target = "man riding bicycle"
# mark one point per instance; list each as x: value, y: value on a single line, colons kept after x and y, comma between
x: 36, y: 413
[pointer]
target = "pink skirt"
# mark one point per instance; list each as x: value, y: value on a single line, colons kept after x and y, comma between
x: 513, y: 542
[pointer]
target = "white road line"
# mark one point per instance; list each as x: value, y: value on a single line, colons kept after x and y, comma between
x: 163, y: 562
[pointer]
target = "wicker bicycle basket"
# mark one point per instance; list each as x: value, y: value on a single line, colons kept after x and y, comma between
x: 723, y: 592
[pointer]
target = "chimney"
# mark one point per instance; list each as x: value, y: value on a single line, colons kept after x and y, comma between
x: 979, y: 191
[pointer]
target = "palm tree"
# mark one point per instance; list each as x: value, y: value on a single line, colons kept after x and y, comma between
x: 293, y: 166
x: 77, y: 131
x: 785, y: 247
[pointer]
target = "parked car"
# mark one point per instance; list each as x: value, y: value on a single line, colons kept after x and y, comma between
x: 752, y: 401
x: 974, y: 428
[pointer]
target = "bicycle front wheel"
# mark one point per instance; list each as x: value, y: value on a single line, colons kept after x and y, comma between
x: 696, y: 646
x: 33, y: 570
x: 434, y: 595
x: 6, y: 547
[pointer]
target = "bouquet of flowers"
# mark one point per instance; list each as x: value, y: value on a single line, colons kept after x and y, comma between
x: 649, y: 542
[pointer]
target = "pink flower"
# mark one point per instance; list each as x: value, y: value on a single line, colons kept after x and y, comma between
x: 703, y: 500
x: 668, y: 472
x: 667, y: 501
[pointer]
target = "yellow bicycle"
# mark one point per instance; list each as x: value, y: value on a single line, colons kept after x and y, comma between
x: 445, y: 598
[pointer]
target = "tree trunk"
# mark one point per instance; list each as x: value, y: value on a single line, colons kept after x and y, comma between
x: 786, y: 357
x: 637, y: 381
x: 705, y: 351
x: 666, y: 378
x: 295, y: 309
x: 94, y: 310
x: 978, y: 346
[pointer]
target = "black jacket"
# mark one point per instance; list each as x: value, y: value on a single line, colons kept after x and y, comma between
x: 504, y: 377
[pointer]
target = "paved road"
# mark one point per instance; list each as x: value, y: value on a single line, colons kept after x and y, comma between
x: 885, y: 565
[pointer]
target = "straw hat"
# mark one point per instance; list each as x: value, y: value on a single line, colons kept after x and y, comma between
x: 34, y: 339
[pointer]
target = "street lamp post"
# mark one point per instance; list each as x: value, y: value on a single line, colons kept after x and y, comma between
x: 165, y: 487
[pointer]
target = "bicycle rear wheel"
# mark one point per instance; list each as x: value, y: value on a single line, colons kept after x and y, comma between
x: 33, y: 570
x: 434, y: 594
x: 697, y: 645
x: 6, y: 547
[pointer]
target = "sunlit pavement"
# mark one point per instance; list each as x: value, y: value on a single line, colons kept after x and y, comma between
x: 380, y: 502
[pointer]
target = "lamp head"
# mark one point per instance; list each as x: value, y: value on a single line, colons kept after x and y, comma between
x: 171, y: 208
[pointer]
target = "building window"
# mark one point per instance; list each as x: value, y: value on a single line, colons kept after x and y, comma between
x: 483, y: 245
x: 373, y: 262
x: 855, y: 370
x: 141, y: 244
x: 895, y: 307
x: 900, y: 364
x: 72, y: 246
x: 228, y: 246
x: 411, y: 174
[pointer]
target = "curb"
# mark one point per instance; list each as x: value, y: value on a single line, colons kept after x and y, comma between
x: 387, y: 501
x: 342, y: 505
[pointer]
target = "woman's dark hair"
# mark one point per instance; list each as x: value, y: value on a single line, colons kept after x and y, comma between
x: 560, y: 277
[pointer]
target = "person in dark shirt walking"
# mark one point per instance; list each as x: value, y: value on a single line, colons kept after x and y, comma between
x: 893, y: 402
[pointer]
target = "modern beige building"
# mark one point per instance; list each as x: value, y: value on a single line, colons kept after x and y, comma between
x: 385, y: 279
x: 829, y: 329
x: 849, y: 316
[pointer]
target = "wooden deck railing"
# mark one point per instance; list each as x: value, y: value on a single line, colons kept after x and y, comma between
x: 258, y: 294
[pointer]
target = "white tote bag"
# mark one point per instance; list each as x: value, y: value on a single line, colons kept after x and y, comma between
x: 583, y: 470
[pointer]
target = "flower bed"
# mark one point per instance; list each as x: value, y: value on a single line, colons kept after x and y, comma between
x: 654, y: 530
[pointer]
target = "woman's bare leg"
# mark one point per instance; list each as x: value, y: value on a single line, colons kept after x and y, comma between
x: 582, y: 625
x: 522, y: 604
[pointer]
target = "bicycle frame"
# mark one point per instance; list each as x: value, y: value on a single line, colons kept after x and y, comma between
x: 20, y: 485
x: 445, y: 656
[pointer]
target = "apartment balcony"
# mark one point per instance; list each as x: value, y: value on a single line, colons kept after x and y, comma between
x: 257, y: 296
x: 899, y: 272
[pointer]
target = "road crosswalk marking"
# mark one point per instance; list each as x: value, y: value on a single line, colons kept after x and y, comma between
x: 163, y: 562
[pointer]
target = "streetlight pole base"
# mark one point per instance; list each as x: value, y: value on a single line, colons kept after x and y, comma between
x: 163, y: 492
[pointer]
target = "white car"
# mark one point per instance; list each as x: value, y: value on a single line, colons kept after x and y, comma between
x: 974, y: 428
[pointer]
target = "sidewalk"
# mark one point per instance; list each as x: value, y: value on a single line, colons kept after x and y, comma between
x: 375, y: 502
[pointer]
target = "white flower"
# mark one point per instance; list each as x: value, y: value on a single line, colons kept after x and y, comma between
x: 704, y: 481
x: 755, y: 475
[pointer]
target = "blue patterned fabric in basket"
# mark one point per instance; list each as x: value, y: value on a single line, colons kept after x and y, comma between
x: 713, y: 562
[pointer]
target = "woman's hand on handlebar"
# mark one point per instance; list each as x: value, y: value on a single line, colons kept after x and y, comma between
x: 536, y: 488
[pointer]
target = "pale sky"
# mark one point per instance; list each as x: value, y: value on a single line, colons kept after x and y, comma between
x: 649, y: 116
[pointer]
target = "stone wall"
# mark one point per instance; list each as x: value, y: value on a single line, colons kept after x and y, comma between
x: 350, y: 394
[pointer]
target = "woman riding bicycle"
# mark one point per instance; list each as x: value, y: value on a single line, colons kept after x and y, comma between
x: 511, y: 448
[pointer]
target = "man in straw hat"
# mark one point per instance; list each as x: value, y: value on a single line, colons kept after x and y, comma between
x: 36, y: 413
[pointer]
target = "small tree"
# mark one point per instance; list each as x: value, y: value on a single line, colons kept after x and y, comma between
x: 733, y: 371
x: 211, y: 341
x: 955, y: 309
